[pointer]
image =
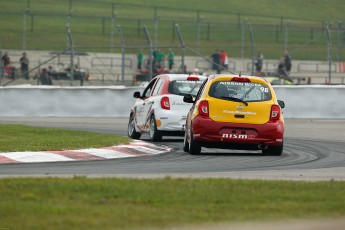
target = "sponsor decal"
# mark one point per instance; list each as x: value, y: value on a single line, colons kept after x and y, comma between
x: 217, y: 117
x: 164, y: 118
x: 239, y: 112
x: 237, y: 136
x: 196, y: 135
x: 279, y: 140
x: 239, y: 83
x: 240, y: 107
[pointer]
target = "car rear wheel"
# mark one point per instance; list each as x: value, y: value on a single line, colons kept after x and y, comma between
x: 132, y: 133
x: 273, y: 151
x: 185, y: 143
x: 155, y: 134
x: 194, y: 146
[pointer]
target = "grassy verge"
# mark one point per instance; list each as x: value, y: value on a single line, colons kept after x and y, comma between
x: 79, y: 203
x: 112, y: 203
x: 14, y: 138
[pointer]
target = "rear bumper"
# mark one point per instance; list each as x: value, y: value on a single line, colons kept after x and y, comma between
x: 168, y: 120
x: 236, y: 135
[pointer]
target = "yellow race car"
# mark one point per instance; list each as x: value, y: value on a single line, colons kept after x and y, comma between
x: 235, y: 112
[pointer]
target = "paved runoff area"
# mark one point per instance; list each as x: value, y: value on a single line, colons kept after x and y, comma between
x: 134, y: 149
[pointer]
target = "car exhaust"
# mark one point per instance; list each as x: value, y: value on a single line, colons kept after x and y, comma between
x: 262, y: 146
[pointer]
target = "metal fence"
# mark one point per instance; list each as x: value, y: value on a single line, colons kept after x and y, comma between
x: 203, y: 31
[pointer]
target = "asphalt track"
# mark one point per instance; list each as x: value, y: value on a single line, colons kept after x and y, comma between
x: 313, y: 150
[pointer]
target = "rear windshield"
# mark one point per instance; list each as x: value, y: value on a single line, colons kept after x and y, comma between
x: 182, y: 87
x: 246, y: 91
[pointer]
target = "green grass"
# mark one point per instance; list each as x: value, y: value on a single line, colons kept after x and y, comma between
x: 91, y: 25
x: 14, y: 138
x: 82, y: 203
x: 110, y: 203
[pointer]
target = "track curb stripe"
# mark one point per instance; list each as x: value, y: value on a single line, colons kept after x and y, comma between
x: 134, y: 149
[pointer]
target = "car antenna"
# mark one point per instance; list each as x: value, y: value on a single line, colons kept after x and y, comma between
x: 240, y: 74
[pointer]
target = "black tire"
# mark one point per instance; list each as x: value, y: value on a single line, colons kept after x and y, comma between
x: 155, y: 134
x: 185, y: 143
x: 273, y: 151
x: 194, y: 146
x: 132, y: 133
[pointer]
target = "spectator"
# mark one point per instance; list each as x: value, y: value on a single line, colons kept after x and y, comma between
x: 160, y: 59
x: 216, y: 61
x: 224, y: 60
x: 52, y: 73
x: 287, y: 62
x: 45, y: 78
x: 7, y: 69
x: 140, y: 59
x: 259, y: 62
x: 171, y: 56
x: 154, y: 58
x: 5, y: 60
x: 24, y: 65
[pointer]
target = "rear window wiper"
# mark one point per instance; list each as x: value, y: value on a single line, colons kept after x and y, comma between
x: 235, y: 99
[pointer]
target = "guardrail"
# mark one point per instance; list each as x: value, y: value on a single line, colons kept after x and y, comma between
x: 313, y: 101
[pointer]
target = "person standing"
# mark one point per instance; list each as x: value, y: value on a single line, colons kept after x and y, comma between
x: 140, y: 59
x: 45, y: 78
x: 154, y: 59
x: 287, y: 62
x: 259, y: 62
x: 5, y: 60
x: 171, y: 56
x: 7, y: 69
x: 160, y: 59
x: 24, y: 65
x: 216, y: 61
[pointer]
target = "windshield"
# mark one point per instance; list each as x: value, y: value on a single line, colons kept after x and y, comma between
x: 182, y: 87
x: 245, y: 91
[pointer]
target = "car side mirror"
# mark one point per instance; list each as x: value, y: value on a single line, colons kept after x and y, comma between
x: 188, y: 98
x: 281, y: 104
x: 136, y: 94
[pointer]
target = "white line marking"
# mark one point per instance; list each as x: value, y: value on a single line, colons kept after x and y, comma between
x: 30, y: 157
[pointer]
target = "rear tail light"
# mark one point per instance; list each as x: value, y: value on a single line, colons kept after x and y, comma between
x: 165, y: 103
x: 240, y: 79
x: 203, y: 108
x: 192, y: 78
x: 275, y: 113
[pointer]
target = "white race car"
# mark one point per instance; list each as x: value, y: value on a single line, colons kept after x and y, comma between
x: 160, y: 110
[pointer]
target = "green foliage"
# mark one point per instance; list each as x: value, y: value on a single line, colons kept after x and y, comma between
x: 220, y: 25
x: 15, y: 138
x: 79, y: 203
